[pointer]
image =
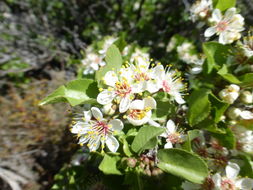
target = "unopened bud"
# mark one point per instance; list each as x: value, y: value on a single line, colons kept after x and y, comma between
x: 109, y: 109
x: 230, y: 94
x: 246, y: 97
x: 156, y: 172
x: 131, y: 162
x: 233, y: 112
x: 147, y: 172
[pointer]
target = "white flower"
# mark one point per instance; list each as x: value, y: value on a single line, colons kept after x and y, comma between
x: 92, y: 61
x: 247, y: 46
x: 140, y: 57
x: 170, y: 83
x: 231, y: 181
x: 201, y: 9
x: 172, y: 135
x: 95, y: 130
x: 246, y: 97
x: 244, y: 138
x: 140, y: 112
x: 121, y: 90
x: 230, y: 94
x: 144, y: 78
x: 107, y: 43
x: 228, y: 27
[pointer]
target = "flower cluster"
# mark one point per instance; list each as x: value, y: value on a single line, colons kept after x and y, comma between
x: 129, y: 95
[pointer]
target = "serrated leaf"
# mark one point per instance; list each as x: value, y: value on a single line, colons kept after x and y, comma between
x: 146, y: 138
x: 75, y: 92
x: 183, y: 164
x: 199, y: 106
x: 109, y: 165
x: 113, y: 61
x: 216, y: 54
x: 224, y: 4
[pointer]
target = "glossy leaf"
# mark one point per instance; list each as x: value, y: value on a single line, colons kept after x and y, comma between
x: 183, y: 164
x: 75, y: 92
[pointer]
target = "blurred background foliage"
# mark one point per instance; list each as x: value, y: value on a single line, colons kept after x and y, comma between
x: 40, y: 48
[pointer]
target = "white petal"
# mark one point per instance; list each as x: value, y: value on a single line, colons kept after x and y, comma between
x: 112, y: 143
x: 137, y: 105
x: 216, y: 15
x: 210, y: 32
x: 232, y: 170
x: 179, y: 98
x: 223, y: 38
x: 153, y: 86
x: 117, y: 124
x: 153, y: 123
x: 110, y: 78
x: 149, y: 102
x: 87, y: 115
x: 97, y: 113
x: 246, y: 115
x: 124, y: 104
x: 94, y: 145
x: 80, y: 128
x: 245, y: 183
x: 105, y: 97
x: 216, y: 179
x: 83, y: 140
x: 168, y: 145
x: 158, y: 72
x: 164, y: 134
x: 171, y: 127
x: 230, y: 13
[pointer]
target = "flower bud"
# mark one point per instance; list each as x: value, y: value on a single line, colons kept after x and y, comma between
x: 109, y: 109
x: 131, y: 162
x: 233, y: 112
x: 230, y: 94
x: 156, y: 172
x: 246, y: 97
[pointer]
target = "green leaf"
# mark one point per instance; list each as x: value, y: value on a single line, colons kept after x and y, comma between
x: 223, y: 72
x: 113, y: 61
x: 227, y: 140
x: 163, y: 109
x: 210, y: 125
x: 199, y: 106
x: 126, y: 148
x: 216, y: 54
x: 146, y: 138
x: 247, y: 79
x: 192, y: 134
x: 109, y: 165
x: 183, y: 164
x: 218, y: 107
x: 224, y: 4
x: 75, y: 92
x: 247, y: 168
